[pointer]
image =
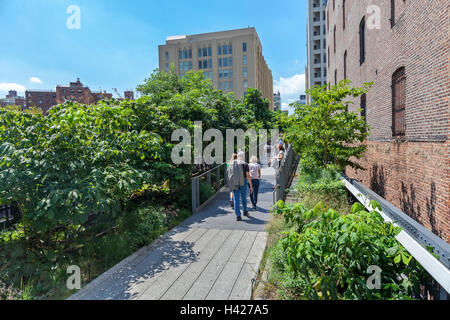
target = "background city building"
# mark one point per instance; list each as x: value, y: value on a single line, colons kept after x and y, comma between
x: 75, y: 91
x: 302, y: 99
x: 277, y: 101
x: 12, y: 99
x: 232, y: 60
x: 408, y: 158
x: 316, y: 72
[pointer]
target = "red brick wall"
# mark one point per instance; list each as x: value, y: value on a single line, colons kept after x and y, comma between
x: 413, y: 172
x: 34, y: 99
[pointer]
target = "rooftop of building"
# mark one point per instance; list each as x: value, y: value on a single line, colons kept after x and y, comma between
x: 44, y: 91
x: 212, y: 35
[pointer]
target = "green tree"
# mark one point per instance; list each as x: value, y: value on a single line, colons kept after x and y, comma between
x: 324, y: 132
x: 258, y: 108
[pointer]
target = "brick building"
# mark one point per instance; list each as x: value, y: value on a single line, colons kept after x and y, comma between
x: 75, y: 91
x: 404, y: 50
x: 41, y: 99
x: 129, y: 95
x: 12, y: 99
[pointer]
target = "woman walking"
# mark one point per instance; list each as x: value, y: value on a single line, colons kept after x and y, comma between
x: 233, y: 157
x: 278, y: 160
x: 255, y: 174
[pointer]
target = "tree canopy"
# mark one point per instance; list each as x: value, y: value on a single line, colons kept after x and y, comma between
x: 324, y: 132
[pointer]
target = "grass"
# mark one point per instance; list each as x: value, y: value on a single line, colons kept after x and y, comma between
x: 274, y: 229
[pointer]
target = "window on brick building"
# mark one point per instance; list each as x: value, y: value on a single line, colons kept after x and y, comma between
x: 334, y: 39
x: 392, y: 13
x: 398, y: 102
x: 345, y: 64
x: 328, y: 56
x: 328, y: 22
x: 343, y: 14
x: 362, y: 41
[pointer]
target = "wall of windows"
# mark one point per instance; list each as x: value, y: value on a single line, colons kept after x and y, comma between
x: 204, y: 52
x: 185, y: 65
x: 205, y: 64
x: 208, y: 75
x: 185, y: 54
x: 226, y: 85
x: 225, y: 62
x: 225, y: 49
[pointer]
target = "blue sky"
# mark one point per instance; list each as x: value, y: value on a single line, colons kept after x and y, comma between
x: 116, y: 46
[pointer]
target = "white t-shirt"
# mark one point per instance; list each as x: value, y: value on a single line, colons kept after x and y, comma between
x: 254, y: 170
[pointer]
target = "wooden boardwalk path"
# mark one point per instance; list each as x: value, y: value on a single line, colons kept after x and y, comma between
x: 210, y: 256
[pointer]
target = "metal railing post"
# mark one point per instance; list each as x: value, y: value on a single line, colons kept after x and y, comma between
x: 208, y: 177
x: 193, y: 196
x: 218, y: 178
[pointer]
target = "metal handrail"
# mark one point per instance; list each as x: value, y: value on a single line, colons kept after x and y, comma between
x: 208, y: 171
x: 439, y: 272
x: 283, y: 174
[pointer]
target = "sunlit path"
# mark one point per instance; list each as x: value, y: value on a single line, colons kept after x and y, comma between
x: 208, y: 256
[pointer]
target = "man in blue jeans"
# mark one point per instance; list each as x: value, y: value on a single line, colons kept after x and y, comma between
x: 240, y: 191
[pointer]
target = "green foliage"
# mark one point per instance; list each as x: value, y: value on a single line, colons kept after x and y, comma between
x: 258, y: 108
x: 206, y: 191
x: 78, y: 160
x: 324, y: 132
x: 316, y: 185
x: 320, y: 180
x: 282, y: 120
x: 327, y: 255
x: 96, y: 162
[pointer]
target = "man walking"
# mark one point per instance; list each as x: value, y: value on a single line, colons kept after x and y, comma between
x: 238, y: 175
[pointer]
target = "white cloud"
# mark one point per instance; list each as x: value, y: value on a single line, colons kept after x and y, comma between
x: 294, y: 85
x: 290, y: 90
x: 5, y: 87
x: 35, y: 80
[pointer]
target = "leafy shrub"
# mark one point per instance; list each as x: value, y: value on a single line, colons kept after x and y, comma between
x: 321, y: 185
x: 328, y: 254
x: 206, y: 191
x: 325, y: 132
x: 78, y: 160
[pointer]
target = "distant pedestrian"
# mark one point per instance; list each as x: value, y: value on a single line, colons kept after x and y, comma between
x: 238, y: 177
x: 268, y: 151
x: 233, y: 157
x: 279, y: 159
x: 255, y: 174
x: 281, y: 152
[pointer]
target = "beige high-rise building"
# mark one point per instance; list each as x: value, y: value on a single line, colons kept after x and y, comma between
x: 232, y: 59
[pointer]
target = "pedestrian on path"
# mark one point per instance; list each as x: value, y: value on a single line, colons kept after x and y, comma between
x: 278, y: 160
x: 233, y: 157
x: 238, y: 176
x: 268, y: 152
x: 280, y: 156
x: 255, y: 174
